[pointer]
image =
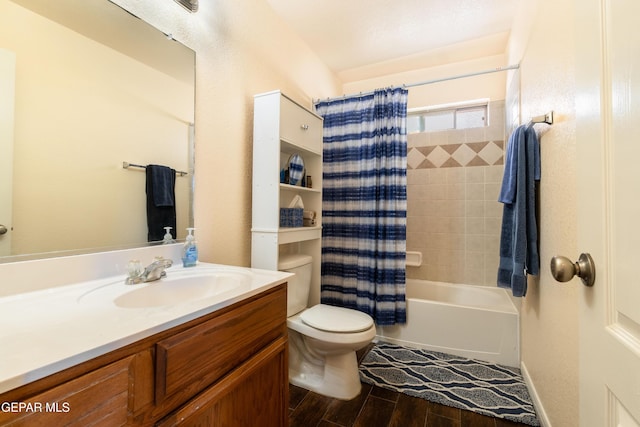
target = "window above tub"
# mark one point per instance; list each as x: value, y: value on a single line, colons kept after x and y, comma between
x: 459, y: 115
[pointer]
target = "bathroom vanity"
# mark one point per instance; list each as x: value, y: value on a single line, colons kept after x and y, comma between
x: 215, y: 359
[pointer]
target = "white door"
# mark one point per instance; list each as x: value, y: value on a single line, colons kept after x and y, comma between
x: 608, y: 145
x: 7, y: 102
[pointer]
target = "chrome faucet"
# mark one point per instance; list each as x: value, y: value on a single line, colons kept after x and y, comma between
x: 154, y: 271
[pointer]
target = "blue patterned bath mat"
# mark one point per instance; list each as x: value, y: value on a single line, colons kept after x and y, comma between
x: 474, y: 385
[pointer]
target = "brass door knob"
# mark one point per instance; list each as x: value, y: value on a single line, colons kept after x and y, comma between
x: 3, y: 229
x: 563, y: 269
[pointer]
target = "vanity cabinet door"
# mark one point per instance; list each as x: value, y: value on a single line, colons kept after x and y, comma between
x: 99, y: 398
x: 190, y: 361
x: 256, y: 394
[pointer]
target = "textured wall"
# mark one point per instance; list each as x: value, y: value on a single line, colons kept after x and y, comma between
x: 544, y: 46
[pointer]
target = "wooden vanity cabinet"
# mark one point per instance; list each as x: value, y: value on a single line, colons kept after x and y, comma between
x: 228, y: 368
x: 247, y: 397
x: 76, y: 402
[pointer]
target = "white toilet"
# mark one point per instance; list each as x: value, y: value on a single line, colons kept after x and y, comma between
x: 323, y: 339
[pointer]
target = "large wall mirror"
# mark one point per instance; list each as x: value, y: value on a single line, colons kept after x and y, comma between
x: 93, y: 87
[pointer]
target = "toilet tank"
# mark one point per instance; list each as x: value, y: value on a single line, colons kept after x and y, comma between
x: 299, y: 285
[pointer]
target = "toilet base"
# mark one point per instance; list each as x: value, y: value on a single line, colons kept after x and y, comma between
x: 339, y: 377
x: 334, y: 375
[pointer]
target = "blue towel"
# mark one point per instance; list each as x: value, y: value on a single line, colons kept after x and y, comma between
x: 161, y: 210
x: 519, y: 234
x: 163, y: 180
x: 508, y: 190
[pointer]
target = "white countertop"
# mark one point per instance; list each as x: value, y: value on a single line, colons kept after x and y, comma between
x: 47, y: 331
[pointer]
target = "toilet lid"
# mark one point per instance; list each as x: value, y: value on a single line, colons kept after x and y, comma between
x: 336, y: 319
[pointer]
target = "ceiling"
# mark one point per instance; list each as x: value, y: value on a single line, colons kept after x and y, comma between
x: 359, y: 39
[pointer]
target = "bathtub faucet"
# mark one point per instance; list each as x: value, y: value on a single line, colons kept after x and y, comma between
x: 154, y: 271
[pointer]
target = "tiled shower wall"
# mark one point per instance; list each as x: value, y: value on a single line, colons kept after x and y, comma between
x: 453, y: 216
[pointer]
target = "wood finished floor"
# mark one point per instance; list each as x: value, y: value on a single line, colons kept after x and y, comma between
x: 378, y: 407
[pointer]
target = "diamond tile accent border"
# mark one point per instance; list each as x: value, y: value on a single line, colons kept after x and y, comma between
x: 415, y: 158
x: 438, y: 156
x: 486, y: 153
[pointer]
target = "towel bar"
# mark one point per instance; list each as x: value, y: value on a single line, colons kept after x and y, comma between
x: 545, y: 118
x: 127, y: 165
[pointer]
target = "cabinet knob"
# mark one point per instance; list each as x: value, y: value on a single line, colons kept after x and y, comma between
x: 304, y: 127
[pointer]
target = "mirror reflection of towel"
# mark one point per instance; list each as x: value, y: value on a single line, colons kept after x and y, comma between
x: 161, y: 210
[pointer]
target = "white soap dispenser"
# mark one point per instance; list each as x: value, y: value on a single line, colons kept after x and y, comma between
x: 168, y: 238
x: 190, y: 250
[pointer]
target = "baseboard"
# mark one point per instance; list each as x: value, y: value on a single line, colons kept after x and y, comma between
x: 537, y: 404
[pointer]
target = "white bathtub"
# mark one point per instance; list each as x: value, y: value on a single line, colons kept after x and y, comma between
x: 471, y: 321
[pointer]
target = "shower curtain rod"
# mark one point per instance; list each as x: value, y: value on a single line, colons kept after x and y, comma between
x: 443, y: 79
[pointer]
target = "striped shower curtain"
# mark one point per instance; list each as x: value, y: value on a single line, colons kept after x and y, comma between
x: 364, y: 204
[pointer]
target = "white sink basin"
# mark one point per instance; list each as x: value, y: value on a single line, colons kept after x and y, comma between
x: 177, y: 288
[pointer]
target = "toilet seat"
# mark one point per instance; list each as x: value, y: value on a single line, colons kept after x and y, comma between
x: 336, y: 319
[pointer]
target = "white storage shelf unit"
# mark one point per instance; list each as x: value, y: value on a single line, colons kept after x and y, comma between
x: 282, y: 128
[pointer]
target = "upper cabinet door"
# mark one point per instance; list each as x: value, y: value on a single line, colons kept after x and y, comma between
x: 300, y: 127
